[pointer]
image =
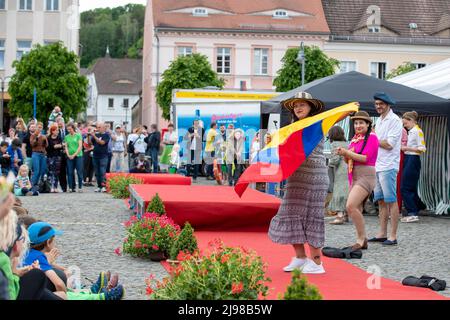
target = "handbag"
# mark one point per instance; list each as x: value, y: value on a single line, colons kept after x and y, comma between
x: 44, y: 185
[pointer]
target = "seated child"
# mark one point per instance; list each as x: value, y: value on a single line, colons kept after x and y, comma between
x: 5, y: 159
x: 43, y: 250
x: 22, y: 185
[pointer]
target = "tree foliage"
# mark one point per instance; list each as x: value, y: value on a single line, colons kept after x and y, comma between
x: 300, y: 289
x: 53, y: 71
x: 156, y: 206
x: 189, y: 72
x: 120, y: 29
x: 318, y: 65
x: 401, y: 69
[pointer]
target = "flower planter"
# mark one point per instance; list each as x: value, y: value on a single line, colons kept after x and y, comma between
x: 157, y: 256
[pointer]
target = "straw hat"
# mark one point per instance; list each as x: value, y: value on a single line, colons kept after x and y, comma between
x: 362, y: 115
x: 317, y: 106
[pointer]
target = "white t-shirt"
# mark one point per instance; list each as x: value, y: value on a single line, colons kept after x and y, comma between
x: 171, y: 137
x: 118, y: 146
x: 138, y: 141
x: 390, y: 129
x: 255, y: 149
x: 416, y: 140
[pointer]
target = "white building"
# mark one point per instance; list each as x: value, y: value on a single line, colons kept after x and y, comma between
x: 114, y: 87
x: 25, y: 23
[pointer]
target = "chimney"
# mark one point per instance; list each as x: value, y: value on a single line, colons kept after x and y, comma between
x: 243, y: 85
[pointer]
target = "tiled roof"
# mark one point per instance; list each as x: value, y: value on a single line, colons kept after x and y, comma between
x: 118, y: 76
x: 431, y: 16
x: 240, y: 15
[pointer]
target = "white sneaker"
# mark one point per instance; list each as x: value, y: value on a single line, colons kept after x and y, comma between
x: 296, y: 263
x: 411, y: 219
x: 416, y: 218
x: 311, y: 267
x: 103, y: 190
x: 404, y: 219
x: 98, y: 190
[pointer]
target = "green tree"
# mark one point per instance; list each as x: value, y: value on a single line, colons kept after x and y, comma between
x: 189, y: 72
x: 318, y: 65
x: 156, y: 206
x: 401, y: 69
x: 53, y: 71
x: 185, y: 242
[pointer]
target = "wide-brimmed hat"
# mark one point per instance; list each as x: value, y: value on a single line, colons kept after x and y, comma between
x: 362, y: 115
x: 317, y: 106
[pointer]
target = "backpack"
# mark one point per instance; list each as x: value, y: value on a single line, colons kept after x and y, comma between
x: 44, y: 185
x: 130, y: 147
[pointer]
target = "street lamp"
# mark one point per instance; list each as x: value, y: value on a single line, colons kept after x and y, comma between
x: 2, y: 84
x: 126, y: 116
x: 301, y: 59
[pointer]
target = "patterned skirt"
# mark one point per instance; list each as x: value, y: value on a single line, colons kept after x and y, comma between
x: 300, y: 218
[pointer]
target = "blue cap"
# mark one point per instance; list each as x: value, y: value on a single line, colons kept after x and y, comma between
x: 384, y: 97
x: 39, y: 232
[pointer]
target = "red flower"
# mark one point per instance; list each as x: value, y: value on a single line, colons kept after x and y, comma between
x: 171, y: 234
x: 155, y: 247
x: 118, y: 252
x: 237, y: 288
x: 137, y: 244
x: 149, y: 290
x: 225, y: 258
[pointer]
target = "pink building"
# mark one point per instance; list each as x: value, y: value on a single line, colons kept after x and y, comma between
x: 245, y: 41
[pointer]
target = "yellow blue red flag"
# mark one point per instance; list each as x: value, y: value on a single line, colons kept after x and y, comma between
x: 290, y: 147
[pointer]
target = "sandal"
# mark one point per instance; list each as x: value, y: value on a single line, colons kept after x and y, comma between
x: 339, y: 220
x: 357, y: 246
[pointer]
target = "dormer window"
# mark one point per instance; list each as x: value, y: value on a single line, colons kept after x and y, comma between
x: 374, y: 29
x: 281, y: 14
x: 202, y: 12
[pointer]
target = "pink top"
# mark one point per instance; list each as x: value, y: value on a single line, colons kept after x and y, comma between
x: 404, y: 137
x: 370, y: 150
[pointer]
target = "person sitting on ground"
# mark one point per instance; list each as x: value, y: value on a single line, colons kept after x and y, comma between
x: 5, y: 159
x: 43, y: 245
x: 141, y: 165
x: 28, y: 283
x: 22, y: 185
x: 15, y: 154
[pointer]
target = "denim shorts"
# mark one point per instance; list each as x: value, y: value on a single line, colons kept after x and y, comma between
x: 386, y: 188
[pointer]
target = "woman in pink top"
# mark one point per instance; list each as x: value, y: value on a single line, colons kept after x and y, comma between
x: 361, y: 157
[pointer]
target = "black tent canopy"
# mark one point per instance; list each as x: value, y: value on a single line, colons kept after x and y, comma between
x: 339, y: 89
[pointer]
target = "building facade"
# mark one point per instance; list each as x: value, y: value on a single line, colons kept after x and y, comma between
x: 244, y: 41
x: 376, y: 36
x: 25, y: 23
x: 114, y: 87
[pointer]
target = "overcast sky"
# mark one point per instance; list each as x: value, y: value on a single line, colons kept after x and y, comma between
x: 92, y: 4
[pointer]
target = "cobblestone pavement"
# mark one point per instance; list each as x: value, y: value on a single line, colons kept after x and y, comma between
x: 92, y: 230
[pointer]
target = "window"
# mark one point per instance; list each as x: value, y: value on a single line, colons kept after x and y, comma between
x: 374, y: 29
x: 22, y: 48
x: 2, y: 54
x: 52, y: 5
x: 261, y: 61
x: 110, y: 103
x: 347, y: 66
x: 281, y: 14
x: 125, y: 103
x: 184, y: 51
x: 2, y: 4
x: 378, y: 70
x: 420, y: 65
x: 200, y: 12
x: 26, y: 5
x: 47, y: 42
x: 224, y: 60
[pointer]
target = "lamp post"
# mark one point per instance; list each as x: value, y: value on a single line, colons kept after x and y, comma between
x: 126, y: 116
x: 301, y: 59
x: 2, y: 84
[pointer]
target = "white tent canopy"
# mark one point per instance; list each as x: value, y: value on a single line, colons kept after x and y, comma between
x: 434, y: 79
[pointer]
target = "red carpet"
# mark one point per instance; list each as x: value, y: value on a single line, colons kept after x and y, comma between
x: 149, y: 178
x: 211, y: 207
x: 343, y: 281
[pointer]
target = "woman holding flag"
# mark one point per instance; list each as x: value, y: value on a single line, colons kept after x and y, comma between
x: 300, y: 218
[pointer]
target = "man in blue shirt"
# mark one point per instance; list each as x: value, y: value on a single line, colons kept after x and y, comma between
x: 100, y: 141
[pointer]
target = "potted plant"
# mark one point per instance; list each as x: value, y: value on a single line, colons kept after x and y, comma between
x: 118, y: 186
x: 156, y: 206
x: 151, y: 236
x: 300, y: 289
x: 185, y: 242
x: 222, y: 273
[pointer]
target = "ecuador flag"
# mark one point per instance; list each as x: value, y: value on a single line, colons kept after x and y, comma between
x: 290, y: 146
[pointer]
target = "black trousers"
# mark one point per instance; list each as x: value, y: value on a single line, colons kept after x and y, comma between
x: 33, y: 286
x: 63, y: 173
x: 108, y: 166
x: 195, y: 165
x: 88, y: 167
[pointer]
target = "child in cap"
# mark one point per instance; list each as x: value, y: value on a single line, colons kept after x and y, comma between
x: 42, y: 249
